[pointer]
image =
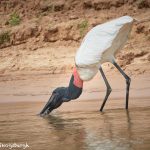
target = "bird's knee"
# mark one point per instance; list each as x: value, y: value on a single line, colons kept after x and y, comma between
x: 109, y: 89
x: 128, y: 80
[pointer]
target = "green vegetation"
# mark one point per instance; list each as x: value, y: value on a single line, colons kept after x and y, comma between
x: 83, y: 27
x: 14, y: 19
x: 4, y: 37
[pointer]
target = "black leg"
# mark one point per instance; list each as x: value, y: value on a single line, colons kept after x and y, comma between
x: 108, y: 88
x: 128, y: 80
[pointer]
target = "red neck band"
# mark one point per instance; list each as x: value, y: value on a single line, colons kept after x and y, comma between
x: 77, y: 81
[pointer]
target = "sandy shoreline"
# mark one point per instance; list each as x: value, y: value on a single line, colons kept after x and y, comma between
x: 37, y: 89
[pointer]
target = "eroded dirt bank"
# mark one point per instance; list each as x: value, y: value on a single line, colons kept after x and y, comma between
x: 42, y: 36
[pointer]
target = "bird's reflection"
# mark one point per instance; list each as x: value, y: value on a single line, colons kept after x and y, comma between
x: 107, y: 130
x: 56, y: 122
x: 112, y: 129
x: 67, y: 131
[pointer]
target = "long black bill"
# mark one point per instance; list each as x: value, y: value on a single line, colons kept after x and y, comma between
x: 54, y: 102
x: 46, y: 108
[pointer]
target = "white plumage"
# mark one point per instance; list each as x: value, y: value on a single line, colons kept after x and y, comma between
x: 101, y: 44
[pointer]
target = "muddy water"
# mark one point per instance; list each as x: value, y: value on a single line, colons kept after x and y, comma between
x: 90, y: 130
x: 76, y: 125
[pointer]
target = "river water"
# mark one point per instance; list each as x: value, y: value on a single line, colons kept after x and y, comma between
x: 76, y: 125
x: 90, y: 130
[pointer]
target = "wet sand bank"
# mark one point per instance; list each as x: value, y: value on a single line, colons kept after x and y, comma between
x: 38, y: 88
